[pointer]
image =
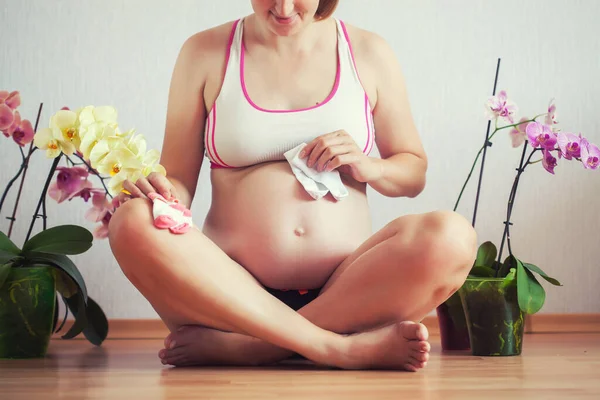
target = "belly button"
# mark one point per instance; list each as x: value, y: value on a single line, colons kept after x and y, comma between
x: 299, y: 231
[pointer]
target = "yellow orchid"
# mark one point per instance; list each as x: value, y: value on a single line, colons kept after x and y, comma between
x: 150, y: 162
x: 44, y: 140
x: 90, y: 115
x: 64, y: 129
x: 121, y: 164
x: 107, y: 135
x: 61, y: 136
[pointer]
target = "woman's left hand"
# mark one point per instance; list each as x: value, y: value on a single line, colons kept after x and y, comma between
x: 338, y: 150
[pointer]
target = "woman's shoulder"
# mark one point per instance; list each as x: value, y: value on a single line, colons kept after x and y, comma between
x: 373, y: 56
x: 368, y: 45
x: 214, y: 39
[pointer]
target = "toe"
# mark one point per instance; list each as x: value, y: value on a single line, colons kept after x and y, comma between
x: 413, y: 331
x: 418, y: 346
x: 170, y: 341
x: 177, y: 360
x: 410, y: 367
x: 166, y: 354
x: 417, y: 364
x: 419, y: 356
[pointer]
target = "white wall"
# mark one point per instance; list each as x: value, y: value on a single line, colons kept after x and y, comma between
x: 122, y: 52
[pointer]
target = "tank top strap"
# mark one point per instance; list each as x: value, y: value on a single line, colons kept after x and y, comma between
x: 348, y: 61
x: 231, y: 79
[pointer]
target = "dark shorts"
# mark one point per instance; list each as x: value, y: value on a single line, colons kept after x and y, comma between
x: 295, y: 299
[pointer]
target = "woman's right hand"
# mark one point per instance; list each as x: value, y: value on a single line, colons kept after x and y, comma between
x: 154, y: 182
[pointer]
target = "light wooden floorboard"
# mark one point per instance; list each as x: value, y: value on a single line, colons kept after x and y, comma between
x: 552, y: 366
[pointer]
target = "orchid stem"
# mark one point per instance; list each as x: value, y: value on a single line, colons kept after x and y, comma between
x: 43, y: 196
x: 93, y: 171
x: 24, y: 167
x: 481, y: 150
x: 511, y: 202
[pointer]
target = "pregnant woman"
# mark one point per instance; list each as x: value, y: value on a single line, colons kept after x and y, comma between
x: 273, y: 271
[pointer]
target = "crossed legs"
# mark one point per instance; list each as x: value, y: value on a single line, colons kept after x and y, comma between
x: 400, y: 274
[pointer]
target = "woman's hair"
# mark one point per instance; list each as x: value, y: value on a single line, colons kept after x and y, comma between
x: 326, y: 8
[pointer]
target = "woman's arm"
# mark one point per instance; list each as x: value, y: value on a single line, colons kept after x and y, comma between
x: 403, y: 162
x: 183, y: 146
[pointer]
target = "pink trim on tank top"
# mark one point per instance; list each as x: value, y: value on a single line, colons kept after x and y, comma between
x: 352, y: 54
x: 206, y: 138
x: 247, y: 96
x: 368, y: 125
x: 223, y: 163
x: 213, y: 109
x: 230, y: 43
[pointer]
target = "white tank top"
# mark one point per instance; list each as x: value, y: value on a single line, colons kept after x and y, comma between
x: 239, y: 133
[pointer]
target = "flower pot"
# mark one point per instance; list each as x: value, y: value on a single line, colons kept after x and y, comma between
x: 27, y: 306
x: 453, y: 325
x: 494, y: 319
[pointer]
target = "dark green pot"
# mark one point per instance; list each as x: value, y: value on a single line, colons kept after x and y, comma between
x: 27, y: 306
x: 454, y: 333
x: 494, y: 319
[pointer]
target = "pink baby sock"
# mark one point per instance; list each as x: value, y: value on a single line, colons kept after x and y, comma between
x: 170, y: 215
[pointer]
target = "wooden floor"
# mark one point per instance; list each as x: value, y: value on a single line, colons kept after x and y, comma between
x: 552, y: 366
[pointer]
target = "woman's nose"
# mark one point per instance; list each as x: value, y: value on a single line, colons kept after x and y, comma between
x: 284, y: 8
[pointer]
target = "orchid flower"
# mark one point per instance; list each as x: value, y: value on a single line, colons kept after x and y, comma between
x: 101, y: 211
x: 590, y: 155
x: 570, y: 145
x: 70, y: 182
x: 518, y: 134
x: 61, y: 136
x: 500, y: 106
x: 548, y: 161
x: 540, y: 135
x: 551, y: 118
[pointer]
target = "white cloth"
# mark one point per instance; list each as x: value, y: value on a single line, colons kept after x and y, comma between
x: 316, y: 183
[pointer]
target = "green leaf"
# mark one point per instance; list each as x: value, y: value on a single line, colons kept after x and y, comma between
x: 5, y: 256
x: 64, y: 239
x: 64, y: 317
x: 96, y: 329
x: 509, y: 263
x: 511, y: 278
x: 64, y: 283
x: 80, y: 318
x: 530, y: 293
x: 63, y: 263
x: 486, y: 254
x: 7, y: 245
x: 535, y: 268
x: 4, y: 271
x: 480, y: 270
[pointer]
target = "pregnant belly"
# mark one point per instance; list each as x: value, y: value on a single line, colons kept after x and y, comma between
x: 263, y: 218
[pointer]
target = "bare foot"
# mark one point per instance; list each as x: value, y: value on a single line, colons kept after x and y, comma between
x: 401, y: 345
x: 197, y: 345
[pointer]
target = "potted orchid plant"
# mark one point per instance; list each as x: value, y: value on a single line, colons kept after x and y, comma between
x: 499, y: 293
x: 91, y: 143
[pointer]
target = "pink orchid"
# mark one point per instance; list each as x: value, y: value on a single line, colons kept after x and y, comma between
x: 70, y: 182
x: 101, y: 232
x: 23, y: 134
x: 88, y: 192
x: 549, y: 161
x: 570, y: 145
x: 551, y: 117
x: 518, y: 134
x: 541, y: 135
x: 12, y: 99
x: 6, y: 119
x: 500, y: 106
x: 101, y: 211
x: 590, y: 155
x: 15, y: 124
